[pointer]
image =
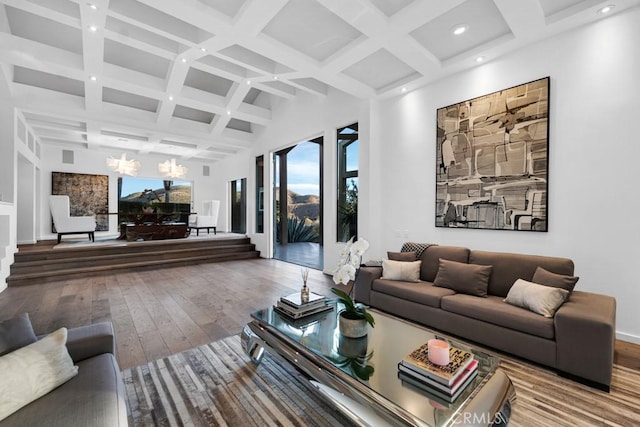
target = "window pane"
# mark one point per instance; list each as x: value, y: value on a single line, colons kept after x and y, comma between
x: 352, y: 157
x: 347, y: 215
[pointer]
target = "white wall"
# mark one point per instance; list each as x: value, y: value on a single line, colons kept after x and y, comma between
x: 94, y: 162
x: 593, y: 158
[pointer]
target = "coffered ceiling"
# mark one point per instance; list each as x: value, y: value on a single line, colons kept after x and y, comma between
x: 197, y: 79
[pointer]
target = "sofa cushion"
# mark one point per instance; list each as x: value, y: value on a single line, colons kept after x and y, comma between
x: 401, y: 270
x: 509, y: 267
x: 33, y: 371
x: 402, y: 256
x: 16, y: 333
x: 421, y: 292
x: 431, y: 259
x: 540, y: 299
x: 494, y: 310
x: 464, y: 278
x: 95, y: 397
x: 554, y: 280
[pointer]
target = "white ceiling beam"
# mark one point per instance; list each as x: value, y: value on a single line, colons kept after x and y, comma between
x: 525, y: 17
x: 62, y: 106
x: 38, y: 56
x: 93, y: 54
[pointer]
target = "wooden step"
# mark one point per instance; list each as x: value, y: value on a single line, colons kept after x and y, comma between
x: 43, y: 266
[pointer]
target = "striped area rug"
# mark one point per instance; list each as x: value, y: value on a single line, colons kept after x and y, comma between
x: 216, y: 385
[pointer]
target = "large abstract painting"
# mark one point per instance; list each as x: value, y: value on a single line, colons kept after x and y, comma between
x: 88, y: 194
x: 492, y: 157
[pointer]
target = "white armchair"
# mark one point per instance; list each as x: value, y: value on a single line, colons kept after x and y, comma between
x: 66, y: 224
x: 207, y: 218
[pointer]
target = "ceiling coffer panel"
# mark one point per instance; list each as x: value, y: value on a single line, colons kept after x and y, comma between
x: 310, y: 28
x: 128, y: 99
x: 207, y: 82
x: 42, y: 30
x: 42, y: 80
x: 135, y: 59
x: 193, y: 114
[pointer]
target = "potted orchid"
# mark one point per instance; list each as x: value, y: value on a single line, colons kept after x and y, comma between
x: 354, y: 317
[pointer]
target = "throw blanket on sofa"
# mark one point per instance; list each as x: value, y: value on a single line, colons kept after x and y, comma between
x: 418, y: 248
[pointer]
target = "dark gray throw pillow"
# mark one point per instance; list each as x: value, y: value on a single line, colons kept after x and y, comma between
x: 402, y: 256
x: 472, y: 279
x: 16, y: 333
x: 547, y: 278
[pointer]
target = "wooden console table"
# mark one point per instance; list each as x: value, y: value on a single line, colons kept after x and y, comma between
x: 172, y: 230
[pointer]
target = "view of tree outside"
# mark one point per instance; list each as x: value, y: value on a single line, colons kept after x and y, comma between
x: 303, y: 194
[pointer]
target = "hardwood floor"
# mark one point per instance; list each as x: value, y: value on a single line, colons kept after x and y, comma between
x: 164, y: 311
x: 161, y: 312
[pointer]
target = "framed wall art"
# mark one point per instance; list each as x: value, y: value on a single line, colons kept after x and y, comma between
x: 491, y: 160
x: 88, y: 194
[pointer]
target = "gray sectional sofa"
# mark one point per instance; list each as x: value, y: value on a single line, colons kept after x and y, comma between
x: 94, y: 397
x: 578, y: 341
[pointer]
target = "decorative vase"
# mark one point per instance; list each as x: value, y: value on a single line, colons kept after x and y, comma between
x: 352, y: 328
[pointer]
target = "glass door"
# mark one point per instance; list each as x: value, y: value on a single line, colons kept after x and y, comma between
x: 239, y: 206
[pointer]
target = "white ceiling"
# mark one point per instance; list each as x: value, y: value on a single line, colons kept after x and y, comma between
x: 196, y: 79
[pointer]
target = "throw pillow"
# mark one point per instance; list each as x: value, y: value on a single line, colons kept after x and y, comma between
x: 16, y: 333
x: 540, y: 299
x: 402, y: 256
x: 401, y: 270
x: 472, y: 279
x: 547, y: 278
x: 33, y: 371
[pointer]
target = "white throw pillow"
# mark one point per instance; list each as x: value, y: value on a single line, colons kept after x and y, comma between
x: 401, y: 270
x: 540, y: 299
x: 33, y: 371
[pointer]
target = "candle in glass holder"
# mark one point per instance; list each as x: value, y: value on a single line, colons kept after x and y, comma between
x: 438, y: 352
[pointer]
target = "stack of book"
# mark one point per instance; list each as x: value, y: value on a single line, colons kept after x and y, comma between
x: 445, y: 382
x: 292, y: 306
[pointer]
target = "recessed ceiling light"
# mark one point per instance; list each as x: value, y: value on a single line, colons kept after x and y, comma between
x: 93, y: 28
x: 275, y: 77
x: 184, y: 60
x: 480, y: 59
x: 170, y: 98
x: 202, y: 49
x: 92, y: 6
x: 248, y: 82
x: 606, y: 9
x: 459, y: 29
x: 93, y: 78
x: 228, y: 113
x: 404, y: 89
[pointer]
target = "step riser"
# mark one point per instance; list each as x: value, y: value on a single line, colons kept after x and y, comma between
x: 62, y: 264
x: 65, y: 275
x: 38, y: 267
x: 89, y: 251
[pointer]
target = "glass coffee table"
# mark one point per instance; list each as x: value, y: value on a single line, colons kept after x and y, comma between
x: 359, y: 377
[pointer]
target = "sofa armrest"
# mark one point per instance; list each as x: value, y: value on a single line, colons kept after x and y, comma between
x: 91, y: 340
x: 585, y: 328
x: 363, y: 283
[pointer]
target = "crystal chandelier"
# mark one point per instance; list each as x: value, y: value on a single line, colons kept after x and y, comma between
x: 170, y: 169
x: 123, y: 166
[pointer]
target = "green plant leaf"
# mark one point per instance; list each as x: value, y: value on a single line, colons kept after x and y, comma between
x: 345, y: 298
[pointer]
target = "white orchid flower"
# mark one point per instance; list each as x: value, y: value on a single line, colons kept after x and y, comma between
x: 359, y: 247
x: 345, y: 274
